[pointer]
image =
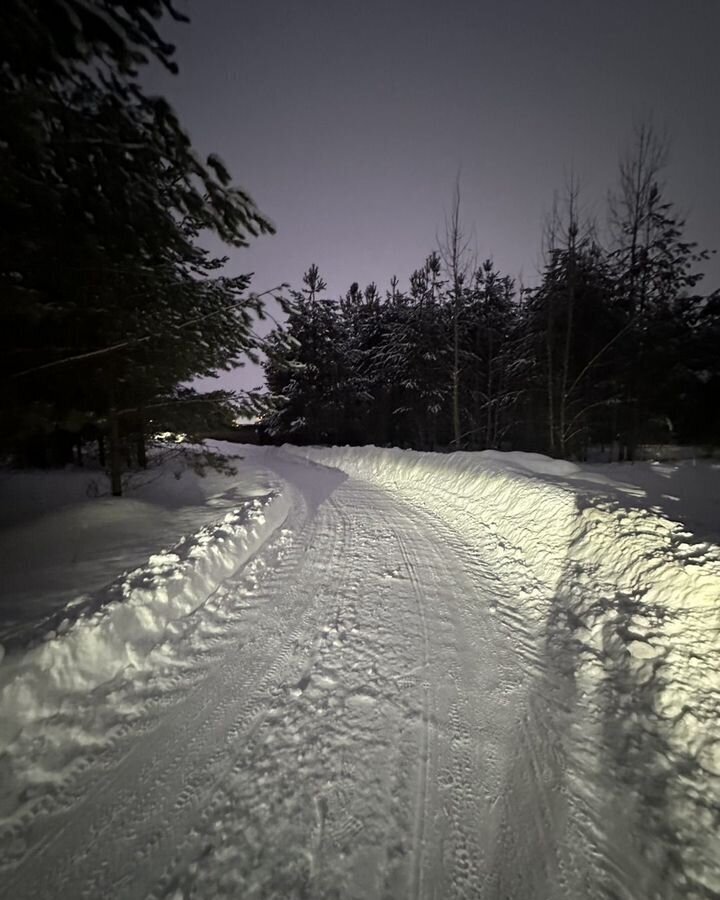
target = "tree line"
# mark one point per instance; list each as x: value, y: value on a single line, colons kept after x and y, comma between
x: 109, y: 304
x: 615, y: 346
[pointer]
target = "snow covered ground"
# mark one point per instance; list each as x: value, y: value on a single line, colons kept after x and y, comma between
x: 363, y: 673
x: 63, y: 537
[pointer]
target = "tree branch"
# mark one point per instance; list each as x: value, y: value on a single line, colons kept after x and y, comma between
x: 133, y: 342
x: 597, y: 356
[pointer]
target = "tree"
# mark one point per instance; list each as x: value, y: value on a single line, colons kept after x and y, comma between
x: 303, y: 366
x: 654, y: 271
x: 698, y: 401
x: 415, y: 358
x: 492, y: 359
x: 574, y: 331
x: 104, y: 281
x: 455, y: 253
x: 364, y: 407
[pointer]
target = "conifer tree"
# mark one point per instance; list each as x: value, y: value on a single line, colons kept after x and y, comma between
x: 655, y: 271
x: 106, y: 300
x: 302, y: 368
x: 492, y: 362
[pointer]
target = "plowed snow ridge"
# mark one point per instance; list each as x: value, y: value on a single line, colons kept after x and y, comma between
x: 636, y: 597
x: 127, y: 620
x: 396, y: 675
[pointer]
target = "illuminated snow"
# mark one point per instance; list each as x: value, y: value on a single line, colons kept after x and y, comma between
x: 386, y: 673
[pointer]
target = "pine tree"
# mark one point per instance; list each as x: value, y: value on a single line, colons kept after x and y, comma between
x: 363, y: 391
x: 492, y: 362
x: 303, y: 367
x: 415, y: 358
x: 109, y: 300
x: 576, y: 363
x: 697, y: 415
x: 574, y: 330
x: 655, y: 271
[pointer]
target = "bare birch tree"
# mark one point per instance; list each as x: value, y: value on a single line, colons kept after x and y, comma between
x: 458, y: 261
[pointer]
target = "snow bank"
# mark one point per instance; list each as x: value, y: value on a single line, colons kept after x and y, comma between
x: 132, y: 616
x: 475, y: 493
x: 603, y: 562
x: 62, y: 536
x: 631, y: 596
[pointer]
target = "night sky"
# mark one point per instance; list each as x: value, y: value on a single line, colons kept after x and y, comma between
x: 348, y: 121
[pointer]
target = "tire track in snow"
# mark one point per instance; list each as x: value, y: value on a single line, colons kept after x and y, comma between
x: 537, y: 839
x: 363, y: 739
x: 306, y: 740
x: 149, y: 792
x: 421, y: 811
x: 381, y: 634
x: 281, y: 682
x: 450, y: 822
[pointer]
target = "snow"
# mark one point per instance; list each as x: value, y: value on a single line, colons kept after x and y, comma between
x: 366, y: 672
x: 132, y: 617
x: 62, y: 536
x: 686, y: 491
x: 638, y: 595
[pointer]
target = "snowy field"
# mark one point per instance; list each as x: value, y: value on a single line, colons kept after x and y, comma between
x: 362, y: 673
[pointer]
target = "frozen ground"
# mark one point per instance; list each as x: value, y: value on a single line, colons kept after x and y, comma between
x: 381, y: 674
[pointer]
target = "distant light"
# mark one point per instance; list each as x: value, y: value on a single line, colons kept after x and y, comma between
x: 170, y: 437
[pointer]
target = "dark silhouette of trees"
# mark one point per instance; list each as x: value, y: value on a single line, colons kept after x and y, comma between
x: 374, y: 369
x: 109, y: 306
x: 611, y: 347
x: 108, y: 302
x: 654, y: 271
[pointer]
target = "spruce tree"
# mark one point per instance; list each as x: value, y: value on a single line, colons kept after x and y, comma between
x: 303, y: 367
x: 492, y: 362
x: 654, y: 269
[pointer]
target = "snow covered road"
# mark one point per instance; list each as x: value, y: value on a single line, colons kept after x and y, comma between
x: 375, y: 704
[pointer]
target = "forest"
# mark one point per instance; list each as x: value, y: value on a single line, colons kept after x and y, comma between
x: 616, y: 346
x: 112, y: 307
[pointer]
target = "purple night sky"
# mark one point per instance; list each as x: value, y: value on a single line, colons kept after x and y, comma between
x: 348, y: 121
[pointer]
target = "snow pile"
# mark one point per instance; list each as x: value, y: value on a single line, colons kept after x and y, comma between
x: 63, y: 537
x: 629, y: 600
x: 132, y: 616
x: 474, y: 493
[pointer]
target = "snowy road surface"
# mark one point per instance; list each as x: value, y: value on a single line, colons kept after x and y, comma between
x: 375, y: 704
